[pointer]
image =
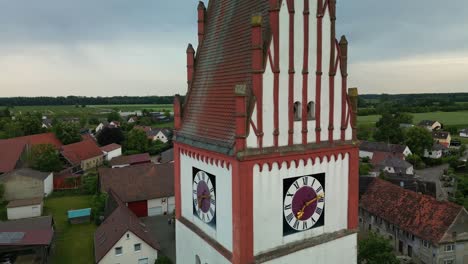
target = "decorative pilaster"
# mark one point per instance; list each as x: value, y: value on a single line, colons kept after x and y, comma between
x: 240, y: 92
x: 343, y: 45
x: 274, y: 22
x: 177, y: 113
x: 190, y: 65
x: 353, y: 98
x: 332, y: 70
x: 291, y: 73
x: 318, y: 73
x: 305, y: 72
x: 257, y: 73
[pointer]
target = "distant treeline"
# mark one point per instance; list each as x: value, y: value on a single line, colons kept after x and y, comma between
x: 78, y: 100
x: 373, y: 104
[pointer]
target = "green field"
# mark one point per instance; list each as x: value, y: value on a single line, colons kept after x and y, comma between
x: 446, y: 118
x: 73, y: 243
x: 96, y: 110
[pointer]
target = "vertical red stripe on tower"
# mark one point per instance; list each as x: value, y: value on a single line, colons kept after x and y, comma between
x: 242, y: 214
x: 318, y: 74
x: 291, y: 73
x: 332, y: 70
x: 274, y: 21
x: 177, y: 180
x: 257, y: 73
x: 305, y: 72
x: 353, y: 189
x: 343, y: 46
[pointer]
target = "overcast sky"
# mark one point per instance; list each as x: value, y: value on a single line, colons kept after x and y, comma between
x: 124, y: 47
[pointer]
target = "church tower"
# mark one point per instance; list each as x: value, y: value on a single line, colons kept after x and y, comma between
x: 266, y: 169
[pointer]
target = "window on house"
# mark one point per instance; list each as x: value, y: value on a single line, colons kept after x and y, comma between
x: 137, y: 247
x: 143, y: 261
x: 197, y: 259
x: 425, y: 244
x: 311, y: 111
x: 297, y: 111
x: 118, y: 251
x: 128, y: 236
x: 449, y: 248
x: 449, y: 261
x: 410, y: 251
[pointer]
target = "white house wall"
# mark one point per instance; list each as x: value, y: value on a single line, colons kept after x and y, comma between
x: 161, y: 202
x: 129, y: 255
x: 189, y: 245
x: 49, y: 184
x: 114, y: 153
x: 24, y: 211
x: 223, y: 231
x: 283, y: 107
x: 343, y: 250
x: 268, y: 200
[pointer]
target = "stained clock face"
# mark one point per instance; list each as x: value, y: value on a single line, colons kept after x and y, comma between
x: 304, y: 203
x: 204, y: 196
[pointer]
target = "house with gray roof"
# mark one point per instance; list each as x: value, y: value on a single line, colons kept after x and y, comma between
x: 395, y: 165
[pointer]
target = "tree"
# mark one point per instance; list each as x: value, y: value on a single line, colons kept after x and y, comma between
x: 98, y: 206
x: 137, y: 141
x: 30, y: 123
x: 44, y: 157
x: 376, y: 250
x: 67, y: 133
x: 90, y: 183
x: 163, y: 260
x: 388, y: 129
x: 2, y: 192
x: 419, y: 139
x: 109, y: 135
x: 93, y: 120
x: 113, y: 116
x: 83, y: 121
x: 13, y: 129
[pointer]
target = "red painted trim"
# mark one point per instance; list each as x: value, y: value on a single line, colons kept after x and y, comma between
x: 291, y: 73
x: 177, y: 113
x: 305, y: 72
x: 257, y: 78
x: 242, y: 214
x: 241, y: 121
x: 332, y: 71
x: 177, y: 180
x: 201, y: 22
x: 318, y: 77
x: 274, y: 22
x: 353, y: 189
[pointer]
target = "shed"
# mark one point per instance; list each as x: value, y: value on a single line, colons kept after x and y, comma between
x: 79, y: 216
x: 25, y: 208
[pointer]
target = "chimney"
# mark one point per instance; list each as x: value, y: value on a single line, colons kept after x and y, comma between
x: 240, y: 92
x: 177, y: 113
x: 353, y: 98
x: 190, y: 65
x: 201, y: 22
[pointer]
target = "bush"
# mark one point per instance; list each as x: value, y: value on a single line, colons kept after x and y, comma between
x: 163, y: 260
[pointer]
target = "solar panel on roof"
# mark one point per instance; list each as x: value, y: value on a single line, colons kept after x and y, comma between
x: 11, y: 237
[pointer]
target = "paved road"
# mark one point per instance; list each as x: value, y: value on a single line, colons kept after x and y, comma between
x: 432, y: 175
x: 163, y: 233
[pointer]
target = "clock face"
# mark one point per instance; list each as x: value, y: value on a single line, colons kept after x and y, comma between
x: 204, y: 196
x: 303, y: 203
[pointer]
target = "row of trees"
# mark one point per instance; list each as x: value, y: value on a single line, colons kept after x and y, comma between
x: 82, y: 100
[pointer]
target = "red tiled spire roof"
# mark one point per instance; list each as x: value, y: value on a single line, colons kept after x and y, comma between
x: 420, y: 215
x: 223, y: 60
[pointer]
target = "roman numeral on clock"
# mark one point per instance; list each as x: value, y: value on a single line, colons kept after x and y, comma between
x: 212, y: 211
x: 290, y: 217
x: 296, y: 184
x: 296, y: 225
x: 318, y: 189
x: 287, y: 207
x: 305, y: 180
x: 304, y: 225
x: 213, y: 202
x: 318, y: 210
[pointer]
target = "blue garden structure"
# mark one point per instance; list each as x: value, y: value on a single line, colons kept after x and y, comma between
x: 79, y: 216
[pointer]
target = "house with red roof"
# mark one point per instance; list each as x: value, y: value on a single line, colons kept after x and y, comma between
x: 123, y: 238
x: 111, y: 151
x: 83, y: 155
x: 418, y: 226
x: 130, y: 160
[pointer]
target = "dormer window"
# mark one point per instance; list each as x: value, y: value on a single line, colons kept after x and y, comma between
x: 297, y: 111
x: 311, y: 111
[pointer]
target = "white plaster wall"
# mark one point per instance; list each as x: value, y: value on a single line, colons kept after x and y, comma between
x: 129, y: 255
x: 159, y: 203
x: 268, y: 81
x: 343, y: 250
x: 463, y: 134
x: 268, y: 200
x: 410, y: 171
x: 365, y: 154
x: 24, y: 212
x: 190, y: 245
x: 435, y: 154
x: 114, y: 153
x: 49, y: 184
x: 407, y: 152
x: 223, y: 231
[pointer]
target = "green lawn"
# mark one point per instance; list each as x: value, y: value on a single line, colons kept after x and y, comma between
x: 73, y: 243
x: 447, y: 118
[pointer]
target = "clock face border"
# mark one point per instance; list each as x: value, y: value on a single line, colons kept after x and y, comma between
x: 287, y: 183
x: 212, y: 178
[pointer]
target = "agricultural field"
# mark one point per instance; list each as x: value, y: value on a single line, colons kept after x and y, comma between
x: 90, y: 110
x: 447, y: 118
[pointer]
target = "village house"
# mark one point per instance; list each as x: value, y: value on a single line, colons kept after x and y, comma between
x: 464, y: 133
x: 430, y: 125
x: 132, y: 119
x: 111, y: 151
x: 83, y: 156
x: 436, y: 152
x: 46, y: 122
x: 367, y: 149
x: 130, y: 160
x: 161, y: 134
x: 123, y: 238
x: 394, y: 165
x: 417, y: 225
x: 28, y: 239
x: 104, y: 124
x: 147, y: 189
x: 25, y: 208
x: 26, y: 184
x: 442, y: 137
x: 11, y: 155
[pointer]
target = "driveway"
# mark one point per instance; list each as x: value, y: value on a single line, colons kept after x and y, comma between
x: 163, y: 233
x: 432, y: 175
